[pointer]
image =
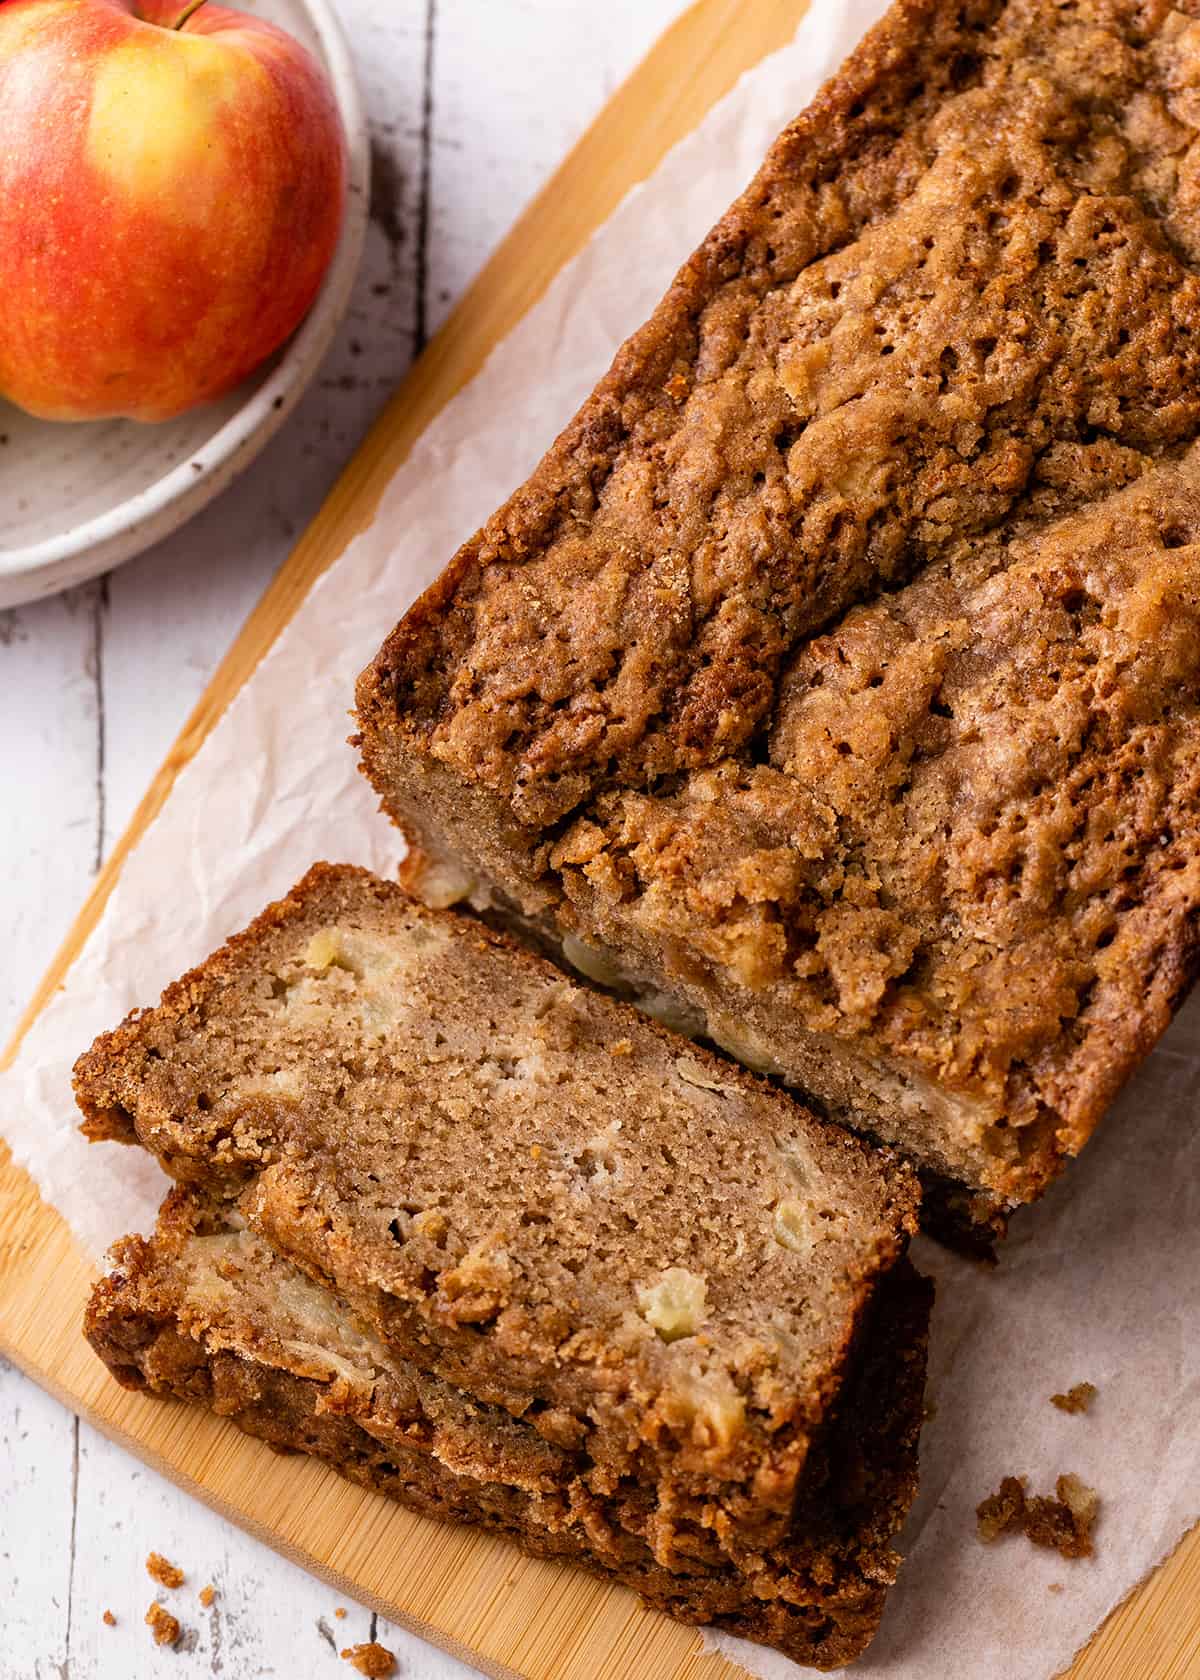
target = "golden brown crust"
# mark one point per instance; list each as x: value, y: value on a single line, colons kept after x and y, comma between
x: 838, y: 667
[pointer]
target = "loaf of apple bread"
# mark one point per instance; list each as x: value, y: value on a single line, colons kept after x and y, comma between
x: 835, y: 676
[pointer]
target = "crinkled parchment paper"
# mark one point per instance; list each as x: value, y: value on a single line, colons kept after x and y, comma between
x: 1101, y: 1282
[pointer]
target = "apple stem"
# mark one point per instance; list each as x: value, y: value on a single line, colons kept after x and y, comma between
x: 186, y: 14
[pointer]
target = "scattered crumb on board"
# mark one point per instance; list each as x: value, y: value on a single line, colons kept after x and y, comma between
x: 340, y: 1613
x: 162, y: 1624
x: 1076, y: 1399
x: 1055, y: 1586
x: 166, y: 1574
x: 1063, y: 1524
x: 109, y: 1619
x: 207, y: 1594
x: 375, y: 1661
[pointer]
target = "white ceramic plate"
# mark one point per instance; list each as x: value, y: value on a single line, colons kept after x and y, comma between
x: 77, y: 499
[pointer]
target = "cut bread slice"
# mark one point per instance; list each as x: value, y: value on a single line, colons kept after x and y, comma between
x: 206, y: 1311
x: 526, y: 1188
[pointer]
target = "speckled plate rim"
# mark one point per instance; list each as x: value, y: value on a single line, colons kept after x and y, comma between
x: 40, y: 569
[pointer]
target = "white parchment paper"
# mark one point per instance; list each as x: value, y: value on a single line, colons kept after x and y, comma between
x: 1101, y: 1282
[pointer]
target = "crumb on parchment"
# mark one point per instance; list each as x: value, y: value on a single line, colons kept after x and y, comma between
x: 1063, y: 1524
x: 109, y: 1619
x: 162, y: 1624
x: 1077, y: 1399
x: 207, y: 1594
x: 375, y: 1661
x: 165, y: 1573
x: 1002, y: 1510
x: 340, y: 1613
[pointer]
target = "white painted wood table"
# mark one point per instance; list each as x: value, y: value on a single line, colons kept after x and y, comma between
x: 472, y: 102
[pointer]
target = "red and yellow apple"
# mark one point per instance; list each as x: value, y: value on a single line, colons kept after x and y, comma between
x: 172, y: 186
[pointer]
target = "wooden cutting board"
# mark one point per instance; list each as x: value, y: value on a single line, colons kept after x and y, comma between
x: 473, y: 1595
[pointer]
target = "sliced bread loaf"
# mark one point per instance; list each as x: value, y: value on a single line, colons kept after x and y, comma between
x: 525, y: 1188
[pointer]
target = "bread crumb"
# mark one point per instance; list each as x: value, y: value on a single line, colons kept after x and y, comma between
x: 1076, y: 1399
x: 1001, y: 1510
x: 166, y: 1574
x: 1063, y: 1524
x: 375, y: 1661
x: 340, y: 1613
x: 162, y: 1624
x: 207, y: 1594
x: 622, y: 1047
x: 109, y: 1619
x: 1055, y: 1587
